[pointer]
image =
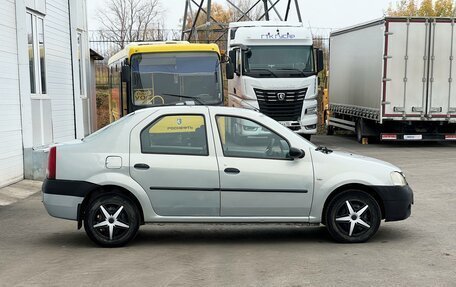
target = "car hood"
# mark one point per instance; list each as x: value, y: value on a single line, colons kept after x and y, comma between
x: 344, y: 167
x: 340, y: 155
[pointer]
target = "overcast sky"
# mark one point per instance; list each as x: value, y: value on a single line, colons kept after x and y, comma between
x: 321, y: 13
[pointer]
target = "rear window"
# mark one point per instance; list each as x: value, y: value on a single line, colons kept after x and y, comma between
x: 123, y: 120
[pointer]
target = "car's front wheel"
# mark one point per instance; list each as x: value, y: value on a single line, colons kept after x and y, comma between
x: 353, y: 216
x: 111, y: 220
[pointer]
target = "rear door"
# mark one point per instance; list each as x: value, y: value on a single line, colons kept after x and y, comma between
x: 406, y: 54
x: 256, y: 177
x: 442, y: 93
x: 172, y: 157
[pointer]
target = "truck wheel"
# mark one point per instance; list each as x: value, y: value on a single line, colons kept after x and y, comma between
x: 330, y: 130
x: 306, y: 136
x: 353, y: 216
x: 111, y: 220
x: 359, y: 131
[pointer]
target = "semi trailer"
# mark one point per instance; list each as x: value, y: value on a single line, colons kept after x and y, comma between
x: 275, y: 69
x: 392, y: 79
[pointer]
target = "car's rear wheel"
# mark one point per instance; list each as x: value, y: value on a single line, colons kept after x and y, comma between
x: 111, y: 220
x: 353, y: 216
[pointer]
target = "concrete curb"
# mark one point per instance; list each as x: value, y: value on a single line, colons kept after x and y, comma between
x: 17, y: 191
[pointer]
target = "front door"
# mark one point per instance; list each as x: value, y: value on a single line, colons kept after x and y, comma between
x: 173, y: 159
x: 256, y: 176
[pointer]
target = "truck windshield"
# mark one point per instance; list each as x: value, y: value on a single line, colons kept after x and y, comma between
x: 279, y: 61
x: 190, y: 74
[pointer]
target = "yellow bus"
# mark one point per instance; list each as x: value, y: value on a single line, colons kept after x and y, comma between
x: 148, y: 74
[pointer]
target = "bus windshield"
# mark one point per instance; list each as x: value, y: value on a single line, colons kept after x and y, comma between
x: 190, y: 74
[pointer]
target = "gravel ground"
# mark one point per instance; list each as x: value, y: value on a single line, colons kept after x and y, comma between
x: 36, y: 249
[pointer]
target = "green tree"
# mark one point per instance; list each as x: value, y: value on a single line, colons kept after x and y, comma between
x: 424, y: 8
x: 403, y: 8
x: 444, y: 8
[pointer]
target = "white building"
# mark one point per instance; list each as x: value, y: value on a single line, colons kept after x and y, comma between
x: 44, y: 76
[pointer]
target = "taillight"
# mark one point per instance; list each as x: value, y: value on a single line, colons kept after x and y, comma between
x: 50, y: 173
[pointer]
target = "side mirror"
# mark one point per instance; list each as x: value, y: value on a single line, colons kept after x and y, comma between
x: 296, y: 153
x: 232, y: 55
x: 229, y: 69
x: 320, y: 63
x: 125, y: 74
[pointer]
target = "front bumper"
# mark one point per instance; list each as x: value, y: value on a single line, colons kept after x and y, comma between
x: 397, y: 201
x: 62, y: 198
x: 307, y: 125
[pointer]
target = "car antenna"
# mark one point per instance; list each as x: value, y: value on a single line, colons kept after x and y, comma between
x: 252, y: 106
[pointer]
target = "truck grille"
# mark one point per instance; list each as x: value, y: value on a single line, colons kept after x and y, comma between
x: 281, y: 105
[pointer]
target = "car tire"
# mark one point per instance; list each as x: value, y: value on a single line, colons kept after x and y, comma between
x: 111, y: 220
x: 353, y: 216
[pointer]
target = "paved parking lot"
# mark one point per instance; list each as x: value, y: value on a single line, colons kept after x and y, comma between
x: 36, y: 249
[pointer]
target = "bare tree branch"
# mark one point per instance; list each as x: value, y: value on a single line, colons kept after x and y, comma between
x: 126, y: 21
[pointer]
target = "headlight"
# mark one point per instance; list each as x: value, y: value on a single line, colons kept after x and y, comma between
x: 398, y: 178
x: 311, y: 111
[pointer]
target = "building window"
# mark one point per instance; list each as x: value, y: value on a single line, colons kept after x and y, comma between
x: 36, y: 52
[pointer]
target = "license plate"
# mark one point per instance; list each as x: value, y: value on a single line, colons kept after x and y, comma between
x: 413, y: 137
x: 287, y: 124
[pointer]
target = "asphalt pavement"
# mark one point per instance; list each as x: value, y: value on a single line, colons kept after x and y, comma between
x: 38, y: 250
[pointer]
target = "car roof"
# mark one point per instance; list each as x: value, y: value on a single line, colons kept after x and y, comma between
x: 189, y: 108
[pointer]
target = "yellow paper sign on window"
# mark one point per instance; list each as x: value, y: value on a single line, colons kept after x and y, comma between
x: 177, y: 124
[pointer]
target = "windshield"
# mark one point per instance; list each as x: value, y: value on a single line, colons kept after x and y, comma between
x: 279, y: 61
x: 190, y: 74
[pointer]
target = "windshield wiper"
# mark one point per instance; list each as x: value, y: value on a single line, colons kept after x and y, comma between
x: 269, y: 70
x: 293, y: 69
x: 185, y: 97
x: 323, y: 149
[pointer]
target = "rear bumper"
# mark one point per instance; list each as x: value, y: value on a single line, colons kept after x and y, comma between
x: 62, y: 198
x: 62, y: 206
x: 417, y: 137
x: 397, y: 201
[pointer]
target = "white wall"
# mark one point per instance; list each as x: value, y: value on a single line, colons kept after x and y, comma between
x: 11, y: 161
x: 59, y: 69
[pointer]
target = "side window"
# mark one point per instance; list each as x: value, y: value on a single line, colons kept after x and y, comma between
x: 176, y: 134
x: 241, y: 137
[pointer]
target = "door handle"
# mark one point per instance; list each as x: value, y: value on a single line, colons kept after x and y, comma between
x: 232, y: 170
x: 141, y: 166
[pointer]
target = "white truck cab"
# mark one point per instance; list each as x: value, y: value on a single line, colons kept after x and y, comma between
x: 274, y: 70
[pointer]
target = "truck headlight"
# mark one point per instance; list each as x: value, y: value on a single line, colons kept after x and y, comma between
x: 311, y: 111
x: 398, y: 178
